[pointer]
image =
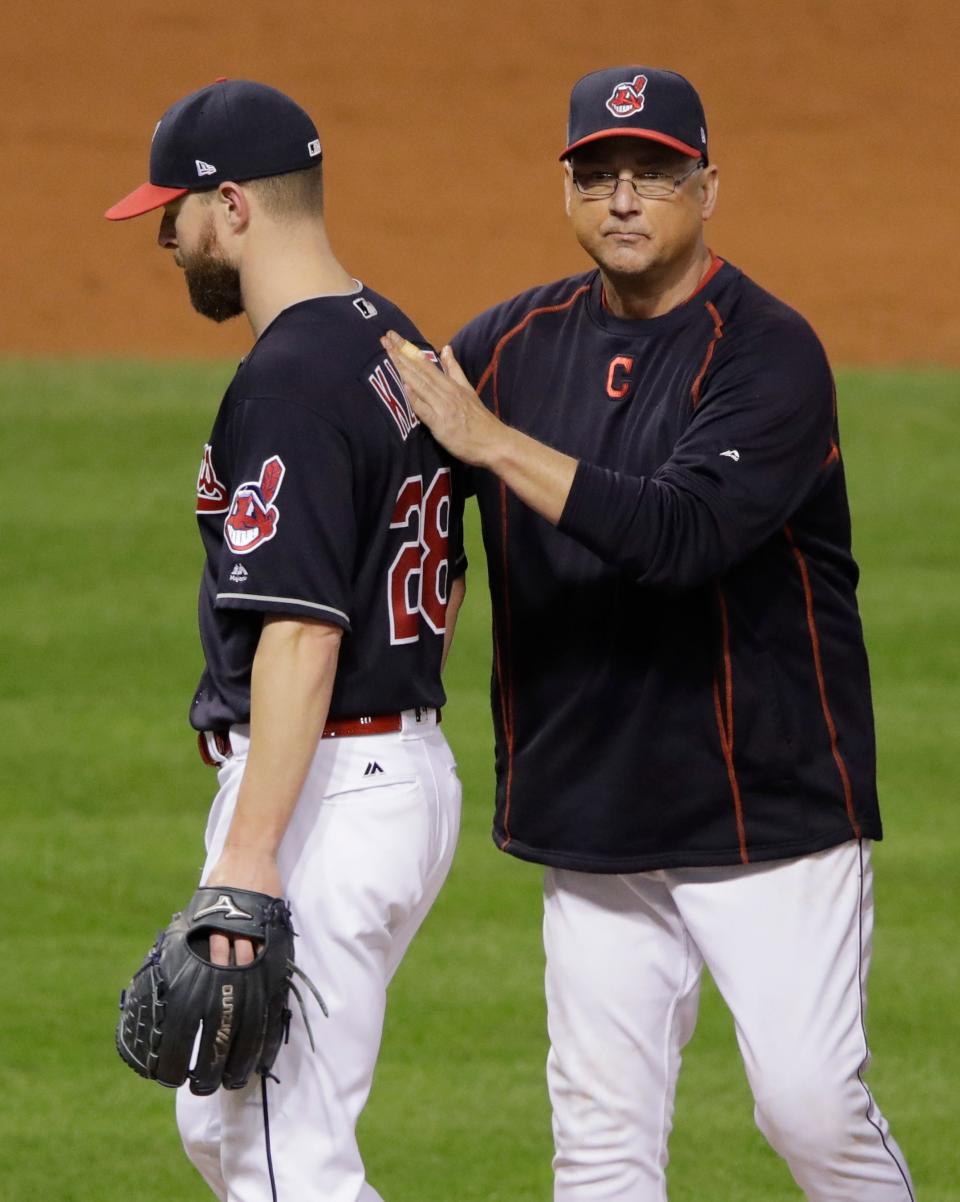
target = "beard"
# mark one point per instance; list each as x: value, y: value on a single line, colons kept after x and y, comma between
x: 213, y: 283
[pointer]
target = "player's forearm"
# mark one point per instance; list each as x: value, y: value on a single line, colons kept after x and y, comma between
x: 540, y: 476
x: 292, y: 682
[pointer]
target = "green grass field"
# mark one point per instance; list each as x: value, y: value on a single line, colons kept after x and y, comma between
x: 103, y: 802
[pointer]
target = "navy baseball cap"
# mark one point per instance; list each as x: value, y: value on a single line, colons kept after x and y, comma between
x: 637, y: 102
x: 231, y: 129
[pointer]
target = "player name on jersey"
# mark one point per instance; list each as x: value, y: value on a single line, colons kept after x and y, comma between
x: 386, y: 384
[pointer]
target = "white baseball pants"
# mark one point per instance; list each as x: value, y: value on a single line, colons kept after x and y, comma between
x: 788, y: 945
x: 367, y: 849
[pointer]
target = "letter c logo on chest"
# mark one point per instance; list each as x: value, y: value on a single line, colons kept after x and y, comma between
x: 618, y: 376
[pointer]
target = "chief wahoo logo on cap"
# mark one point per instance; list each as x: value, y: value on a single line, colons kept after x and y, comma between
x: 627, y: 98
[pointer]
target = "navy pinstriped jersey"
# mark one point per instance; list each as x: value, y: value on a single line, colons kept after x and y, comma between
x: 679, y: 669
x: 321, y: 496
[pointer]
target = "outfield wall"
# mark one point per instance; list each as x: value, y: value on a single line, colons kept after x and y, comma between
x: 832, y: 120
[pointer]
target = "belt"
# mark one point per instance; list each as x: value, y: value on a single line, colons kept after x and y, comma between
x: 209, y: 741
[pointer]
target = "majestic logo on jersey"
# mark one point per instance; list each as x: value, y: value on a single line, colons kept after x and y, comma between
x: 253, y: 517
x: 212, y: 495
x: 732, y: 454
x: 627, y: 98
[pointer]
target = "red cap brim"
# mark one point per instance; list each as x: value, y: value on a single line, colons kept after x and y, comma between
x: 651, y: 135
x: 143, y: 200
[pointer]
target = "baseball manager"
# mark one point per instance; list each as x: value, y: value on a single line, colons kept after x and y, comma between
x: 684, y: 734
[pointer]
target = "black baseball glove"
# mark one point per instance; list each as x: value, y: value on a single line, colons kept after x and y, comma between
x: 243, y: 1010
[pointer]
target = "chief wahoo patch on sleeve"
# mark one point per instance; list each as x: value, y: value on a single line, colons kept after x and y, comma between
x: 253, y: 517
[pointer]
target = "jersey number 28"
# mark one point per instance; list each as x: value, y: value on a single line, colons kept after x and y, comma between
x: 417, y: 580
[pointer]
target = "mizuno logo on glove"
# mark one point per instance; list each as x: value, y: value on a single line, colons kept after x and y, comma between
x: 221, y: 1041
x: 223, y: 905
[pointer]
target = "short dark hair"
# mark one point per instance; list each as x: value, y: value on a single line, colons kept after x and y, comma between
x: 294, y: 194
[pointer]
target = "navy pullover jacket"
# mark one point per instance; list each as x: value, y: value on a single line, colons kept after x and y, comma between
x: 679, y: 671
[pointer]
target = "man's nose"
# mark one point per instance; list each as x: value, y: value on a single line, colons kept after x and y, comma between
x: 624, y: 199
x: 167, y: 236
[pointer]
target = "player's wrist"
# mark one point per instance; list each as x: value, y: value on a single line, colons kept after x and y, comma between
x: 500, y: 448
x: 245, y: 867
x: 260, y: 850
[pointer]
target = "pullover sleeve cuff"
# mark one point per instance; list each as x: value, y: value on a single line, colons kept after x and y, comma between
x: 590, y: 505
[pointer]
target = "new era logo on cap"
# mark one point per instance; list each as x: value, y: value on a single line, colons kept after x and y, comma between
x: 205, y: 168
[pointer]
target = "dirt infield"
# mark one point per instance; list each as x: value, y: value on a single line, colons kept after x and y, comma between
x: 831, y: 119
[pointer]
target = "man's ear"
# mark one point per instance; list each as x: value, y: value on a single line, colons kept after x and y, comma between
x: 709, y: 187
x: 567, y: 186
x: 234, y: 206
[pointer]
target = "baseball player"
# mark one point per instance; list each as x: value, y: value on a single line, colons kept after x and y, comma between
x: 325, y: 512
x: 682, y: 706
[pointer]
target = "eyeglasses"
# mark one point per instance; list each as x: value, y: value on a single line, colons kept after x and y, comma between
x: 651, y: 185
